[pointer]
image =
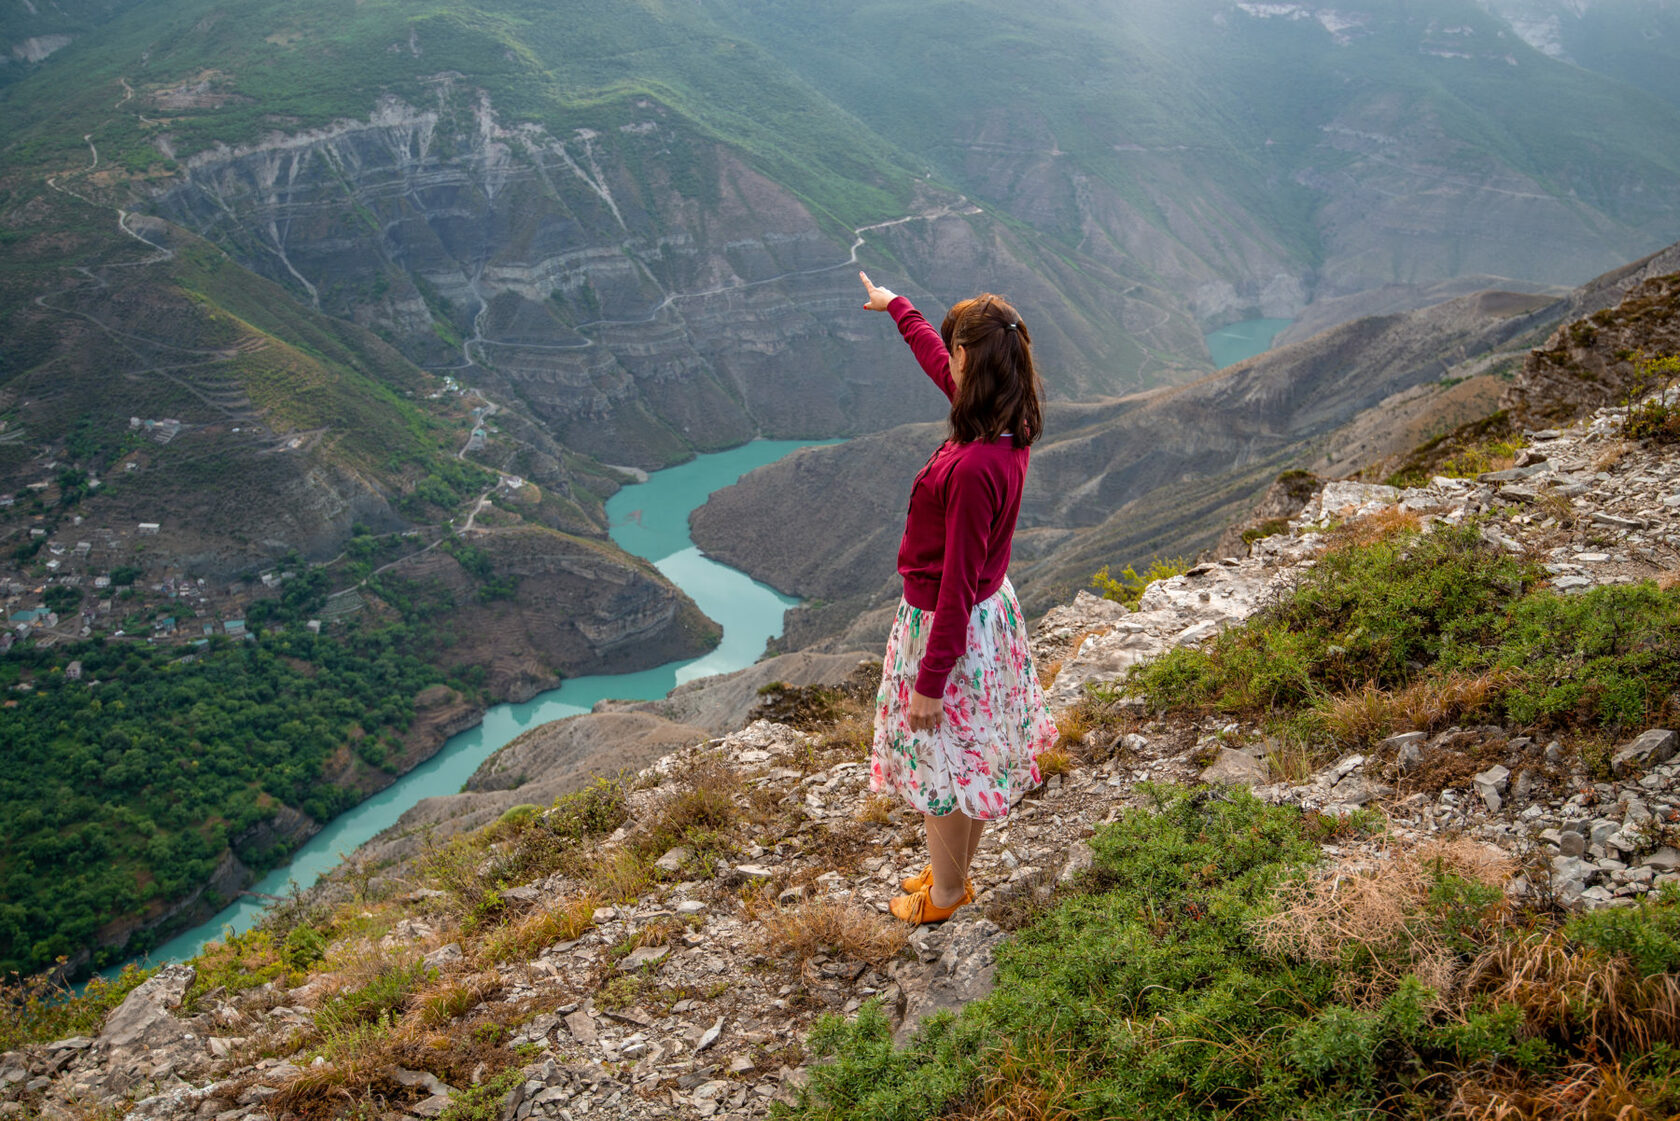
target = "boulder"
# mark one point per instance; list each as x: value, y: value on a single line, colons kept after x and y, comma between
x: 1407, y: 748
x: 674, y: 859
x: 1570, y: 877
x: 1650, y: 748
x: 1665, y: 859
x: 1342, y: 499
x: 1235, y: 768
x: 955, y: 965
x: 1491, y: 785
x: 143, y: 1019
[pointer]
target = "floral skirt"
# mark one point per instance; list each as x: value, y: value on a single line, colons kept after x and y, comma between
x: 984, y: 754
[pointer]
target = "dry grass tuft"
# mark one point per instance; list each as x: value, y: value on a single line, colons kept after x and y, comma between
x: 527, y: 937
x: 613, y: 875
x: 1611, y: 455
x: 1363, y: 716
x: 1580, y: 1092
x: 1436, y: 702
x: 1073, y: 725
x: 1047, y: 672
x: 1026, y: 1082
x: 1369, y: 713
x: 1669, y: 581
x: 833, y: 927
x: 1293, y: 760
x: 1558, y: 507
x: 1382, y: 915
x: 658, y: 932
x: 705, y: 800
x: 1563, y: 988
x: 850, y: 736
x: 447, y: 1004
x: 877, y: 809
x: 1371, y: 528
x: 1053, y: 762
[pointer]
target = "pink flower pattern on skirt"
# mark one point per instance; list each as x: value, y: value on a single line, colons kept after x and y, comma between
x: 984, y: 754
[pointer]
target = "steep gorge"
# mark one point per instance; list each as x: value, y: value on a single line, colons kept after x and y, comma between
x: 641, y: 290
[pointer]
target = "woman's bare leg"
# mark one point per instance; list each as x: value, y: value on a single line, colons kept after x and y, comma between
x: 948, y: 840
x: 975, y: 828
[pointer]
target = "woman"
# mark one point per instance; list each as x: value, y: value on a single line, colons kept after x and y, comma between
x: 960, y: 719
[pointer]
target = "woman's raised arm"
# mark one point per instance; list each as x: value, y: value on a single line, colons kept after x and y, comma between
x: 924, y: 341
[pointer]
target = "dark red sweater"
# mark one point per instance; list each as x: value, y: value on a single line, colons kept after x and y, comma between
x: 961, y: 521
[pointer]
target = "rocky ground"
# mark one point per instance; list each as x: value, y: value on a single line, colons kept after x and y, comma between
x: 695, y: 999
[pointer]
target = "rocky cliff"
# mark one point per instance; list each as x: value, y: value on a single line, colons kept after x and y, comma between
x: 641, y: 289
x: 1630, y: 316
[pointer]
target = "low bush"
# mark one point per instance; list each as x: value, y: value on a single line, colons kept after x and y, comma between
x: 1129, y: 586
x: 39, y: 1009
x: 519, y: 848
x: 1657, y: 419
x: 1166, y: 993
x: 1419, y: 629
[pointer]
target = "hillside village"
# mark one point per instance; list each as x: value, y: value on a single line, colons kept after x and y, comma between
x: 69, y: 576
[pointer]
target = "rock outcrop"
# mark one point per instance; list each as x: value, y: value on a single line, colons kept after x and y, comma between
x: 1617, y: 322
x: 723, y: 703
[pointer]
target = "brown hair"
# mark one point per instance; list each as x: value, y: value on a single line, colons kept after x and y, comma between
x: 999, y: 390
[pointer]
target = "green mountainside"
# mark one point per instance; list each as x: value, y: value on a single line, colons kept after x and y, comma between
x: 1636, y: 41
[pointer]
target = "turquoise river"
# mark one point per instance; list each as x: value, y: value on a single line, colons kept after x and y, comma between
x: 649, y: 519
x: 1239, y: 342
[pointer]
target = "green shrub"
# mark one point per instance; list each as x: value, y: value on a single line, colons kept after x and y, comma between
x: 304, y: 947
x: 1151, y: 996
x: 379, y: 998
x: 484, y: 1101
x: 1649, y: 936
x: 1129, y: 587
x: 1432, y: 608
x: 1657, y: 419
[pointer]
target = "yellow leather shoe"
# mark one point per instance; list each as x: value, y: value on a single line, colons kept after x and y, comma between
x: 919, y: 882
x: 918, y: 908
x: 923, y: 880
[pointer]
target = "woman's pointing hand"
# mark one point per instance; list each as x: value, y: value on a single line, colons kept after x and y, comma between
x: 879, y: 298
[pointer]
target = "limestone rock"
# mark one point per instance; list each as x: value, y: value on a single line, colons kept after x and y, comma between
x: 1236, y: 768
x: 1491, y: 785
x: 143, y: 1018
x: 1408, y: 749
x: 1648, y: 749
x: 957, y: 966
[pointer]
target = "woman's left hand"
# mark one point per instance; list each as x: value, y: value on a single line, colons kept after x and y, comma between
x: 925, y: 712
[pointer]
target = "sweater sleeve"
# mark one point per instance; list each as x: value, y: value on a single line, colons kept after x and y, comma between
x: 971, y: 503
x: 925, y: 343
